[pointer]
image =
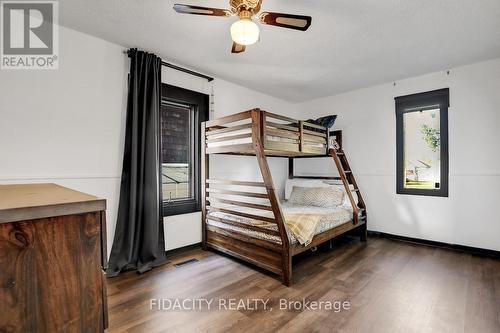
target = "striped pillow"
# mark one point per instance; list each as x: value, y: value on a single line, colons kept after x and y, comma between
x: 328, y: 197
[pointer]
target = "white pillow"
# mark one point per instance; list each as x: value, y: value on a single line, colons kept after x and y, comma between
x: 347, y: 202
x: 339, y: 183
x: 328, y: 197
x: 290, y: 183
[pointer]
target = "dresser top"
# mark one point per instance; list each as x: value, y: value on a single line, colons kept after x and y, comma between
x: 32, y: 201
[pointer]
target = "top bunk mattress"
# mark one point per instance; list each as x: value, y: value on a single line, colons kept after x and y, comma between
x: 241, y: 141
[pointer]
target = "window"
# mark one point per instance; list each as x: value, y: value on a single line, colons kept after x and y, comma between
x: 422, y: 143
x: 181, y: 114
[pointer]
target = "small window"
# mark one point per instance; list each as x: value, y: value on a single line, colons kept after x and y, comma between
x: 182, y: 112
x: 422, y: 143
x: 177, y: 134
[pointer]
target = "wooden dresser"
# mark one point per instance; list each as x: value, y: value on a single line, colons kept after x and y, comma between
x: 52, y: 260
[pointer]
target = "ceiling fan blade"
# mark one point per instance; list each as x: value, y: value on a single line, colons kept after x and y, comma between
x: 297, y: 22
x: 197, y: 10
x: 237, y: 48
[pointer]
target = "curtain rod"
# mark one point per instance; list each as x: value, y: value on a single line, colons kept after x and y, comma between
x: 180, y: 69
x: 185, y: 70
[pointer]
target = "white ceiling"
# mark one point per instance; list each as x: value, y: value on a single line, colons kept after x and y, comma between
x: 351, y: 43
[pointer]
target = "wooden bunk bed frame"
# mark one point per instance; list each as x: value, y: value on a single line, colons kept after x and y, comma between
x: 263, y: 128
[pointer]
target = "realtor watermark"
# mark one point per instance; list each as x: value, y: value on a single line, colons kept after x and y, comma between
x: 29, y: 34
x: 250, y: 304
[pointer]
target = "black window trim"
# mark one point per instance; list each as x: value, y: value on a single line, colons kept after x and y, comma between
x: 198, y: 101
x: 414, y: 103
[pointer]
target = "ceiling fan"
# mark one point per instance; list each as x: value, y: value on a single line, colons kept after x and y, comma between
x: 244, y: 31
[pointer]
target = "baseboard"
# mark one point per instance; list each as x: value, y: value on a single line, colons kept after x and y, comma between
x: 183, y: 249
x: 456, y: 247
x: 461, y: 248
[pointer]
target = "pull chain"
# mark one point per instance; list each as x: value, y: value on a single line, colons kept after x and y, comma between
x: 212, y: 102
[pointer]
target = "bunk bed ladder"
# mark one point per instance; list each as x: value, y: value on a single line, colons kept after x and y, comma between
x: 347, y: 177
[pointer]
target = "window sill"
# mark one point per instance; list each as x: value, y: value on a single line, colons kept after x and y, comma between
x: 422, y: 192
x: 172, y: 209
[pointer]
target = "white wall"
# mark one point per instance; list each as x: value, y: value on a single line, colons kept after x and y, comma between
x: 67, y: 126
x: 367, y: 118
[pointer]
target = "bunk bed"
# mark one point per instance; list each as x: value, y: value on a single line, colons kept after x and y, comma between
x: 246, y: 219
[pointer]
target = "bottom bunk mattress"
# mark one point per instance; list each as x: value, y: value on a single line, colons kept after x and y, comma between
x: 328, y: 218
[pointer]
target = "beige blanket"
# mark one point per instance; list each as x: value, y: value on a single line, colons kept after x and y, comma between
x: 303, y: 226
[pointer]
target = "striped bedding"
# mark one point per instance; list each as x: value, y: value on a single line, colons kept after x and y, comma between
x: 323, y: 219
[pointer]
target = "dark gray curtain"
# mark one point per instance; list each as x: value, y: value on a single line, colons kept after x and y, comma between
x: 139, y: 242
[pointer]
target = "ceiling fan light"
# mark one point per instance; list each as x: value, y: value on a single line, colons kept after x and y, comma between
x: 245, y: 32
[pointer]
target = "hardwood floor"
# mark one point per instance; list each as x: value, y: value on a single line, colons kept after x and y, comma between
x: 391, y: 286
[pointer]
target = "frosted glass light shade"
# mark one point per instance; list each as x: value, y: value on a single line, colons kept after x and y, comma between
x: 244, y: 32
